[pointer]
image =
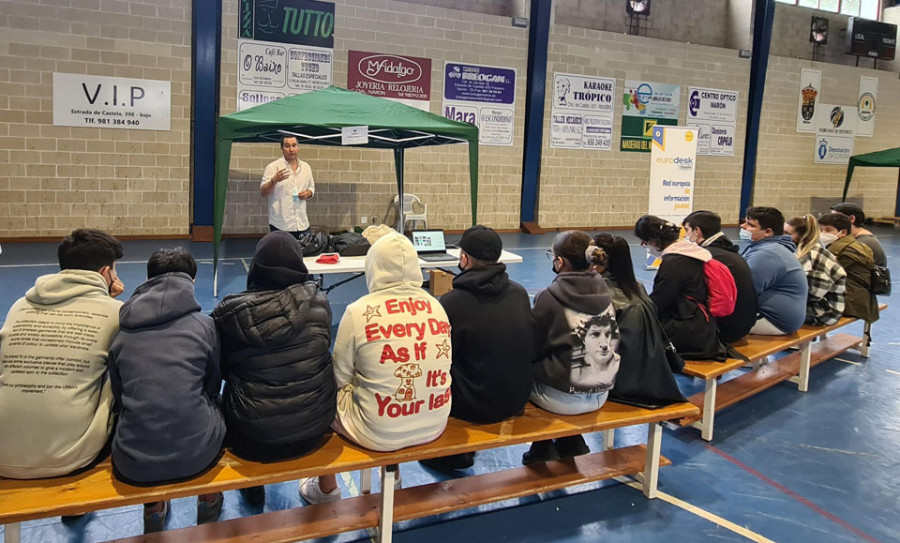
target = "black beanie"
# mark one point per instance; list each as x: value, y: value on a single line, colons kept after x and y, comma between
x: 482, y: 243
x: 277, y: 263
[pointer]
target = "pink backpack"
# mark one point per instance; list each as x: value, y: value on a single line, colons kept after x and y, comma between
x: 721, y: 288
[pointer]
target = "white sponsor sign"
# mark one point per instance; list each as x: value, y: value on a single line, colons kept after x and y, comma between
x: 865, y: 106
x: 713, y: 113
x: 673, y: 162
x: 111, y: 102
x: 808, y: 95
x: 354, y: 135
x: 582, y: 112
x: 269, y: 71
x: 836, y: 127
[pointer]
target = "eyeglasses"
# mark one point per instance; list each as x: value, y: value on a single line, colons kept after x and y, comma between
x: 550, y: 256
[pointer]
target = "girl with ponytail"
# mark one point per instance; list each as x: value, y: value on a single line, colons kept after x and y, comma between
x: 826, y: 278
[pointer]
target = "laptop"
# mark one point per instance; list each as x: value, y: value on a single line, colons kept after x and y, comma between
x: 430, y: 246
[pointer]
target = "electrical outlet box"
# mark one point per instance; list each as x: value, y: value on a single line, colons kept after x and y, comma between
x: 363, y: 220
x: 375, y: 220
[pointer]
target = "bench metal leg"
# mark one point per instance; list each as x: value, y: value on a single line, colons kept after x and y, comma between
x: 803, y: 382
x: 386, y: 519
x: 365, y: 481
x: 651, y: 465
x: 707, y: 421
x: 609, y: 437
x: 867, y: 338
x: 12, y: 533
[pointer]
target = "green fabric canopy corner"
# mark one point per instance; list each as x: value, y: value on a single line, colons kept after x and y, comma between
x: 316, y: 118
x: 888, y: 158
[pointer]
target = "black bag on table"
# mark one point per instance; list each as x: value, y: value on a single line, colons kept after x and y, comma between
x: 313, y: 243
x: 349, y: 244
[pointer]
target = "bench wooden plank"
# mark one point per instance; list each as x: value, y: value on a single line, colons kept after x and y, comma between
x: 435, y: 498
x: 751, y: 383
x: 96, y: 489
x: 709, y: 369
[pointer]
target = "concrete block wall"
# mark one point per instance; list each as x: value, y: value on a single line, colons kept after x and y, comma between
x: 352, y: 183
x: 786, y: 176
x: 611, y: 188
x: 57, y: 178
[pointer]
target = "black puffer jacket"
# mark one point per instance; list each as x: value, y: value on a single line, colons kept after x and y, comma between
x: 280, y: 395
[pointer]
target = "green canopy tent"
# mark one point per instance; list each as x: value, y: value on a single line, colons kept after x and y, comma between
x: 888, y: 158
x: 316, y: 118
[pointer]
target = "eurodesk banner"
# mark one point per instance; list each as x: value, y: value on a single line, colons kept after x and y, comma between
x: 810, y: 87
x: 646, y: 105
x: 284, y: 48
x: 673, y: 161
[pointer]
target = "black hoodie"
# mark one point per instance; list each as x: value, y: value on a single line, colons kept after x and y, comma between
x: 738, y: 324
x: 561, y: 312
x: 491, y: 323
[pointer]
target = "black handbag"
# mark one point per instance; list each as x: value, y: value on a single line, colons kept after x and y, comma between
x: 881, y: 280
x: 313, y: 243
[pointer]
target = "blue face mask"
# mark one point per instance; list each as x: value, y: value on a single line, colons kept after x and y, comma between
x: 746, y: 235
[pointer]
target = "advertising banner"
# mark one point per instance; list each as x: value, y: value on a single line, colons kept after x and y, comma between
x: 673, y: 163
x: 484, y: 96
x: 111, y: 102
x: 284, y: 48
x: 400, y: 78
x: 810, y: 87
x: 836, y: 127
x: 865, y: 106
x: 713, y: 113
x: 646, y: 105
x: 582, y: 112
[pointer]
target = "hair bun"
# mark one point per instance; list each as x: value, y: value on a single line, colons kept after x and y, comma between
x: 596, y: 255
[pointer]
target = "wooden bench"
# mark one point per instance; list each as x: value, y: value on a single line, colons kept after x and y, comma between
x: 895, y: 221
x: 793, y: 367
x: 96, y: 488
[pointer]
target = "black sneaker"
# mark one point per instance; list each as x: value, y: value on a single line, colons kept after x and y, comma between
x: 255, y: 495
x: 155, y: 521
x: 209, y: 511
x: 450, y: 463
x: 570, y: 446
x: 540, y: 451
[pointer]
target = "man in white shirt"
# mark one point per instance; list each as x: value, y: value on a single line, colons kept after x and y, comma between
x: 288, y: 184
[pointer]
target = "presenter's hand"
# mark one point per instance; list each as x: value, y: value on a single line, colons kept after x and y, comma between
x: 116, y: 288
x: 305, y: 195
x: 280, y: 176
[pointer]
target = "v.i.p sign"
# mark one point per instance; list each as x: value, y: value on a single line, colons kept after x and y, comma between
x: 111, y: 102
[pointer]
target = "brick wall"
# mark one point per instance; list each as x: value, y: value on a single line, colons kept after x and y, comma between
x: 57, y: 178
x: 352, y: 183
x: 610, y: 188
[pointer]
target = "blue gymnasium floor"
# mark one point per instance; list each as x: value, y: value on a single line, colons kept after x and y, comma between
x: 784, y: 466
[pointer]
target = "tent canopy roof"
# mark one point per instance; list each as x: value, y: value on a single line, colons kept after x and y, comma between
x: 317, y: 118
x: 887, y: 158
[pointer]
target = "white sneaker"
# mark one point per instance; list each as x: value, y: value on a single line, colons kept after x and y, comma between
x: 310, y: 491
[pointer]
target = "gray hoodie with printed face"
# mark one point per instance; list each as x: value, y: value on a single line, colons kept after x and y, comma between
x: 55, y: 398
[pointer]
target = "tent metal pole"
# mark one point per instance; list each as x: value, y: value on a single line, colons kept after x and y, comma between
x: 398, y: 166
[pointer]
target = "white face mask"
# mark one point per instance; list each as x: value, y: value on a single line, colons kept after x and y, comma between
x: 746, y: 235
x: 827, y: 238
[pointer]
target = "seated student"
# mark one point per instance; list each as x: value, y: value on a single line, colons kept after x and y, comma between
x: 393, y: 389
x: 576, y: 341
x: 863, y: 235
x: 645, y: 376
x: 679, y: 290
x: 58, y: 421
x: 279, y: 397
x: 170, y: 426
x: 705, y: 229
x: 826, y: 278
x: 781, y: 288
x: 490, y: 328
x: 857, y: 261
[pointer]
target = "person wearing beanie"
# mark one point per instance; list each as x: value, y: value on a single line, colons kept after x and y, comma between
x: 491, y: 323
x: 391, y: 361
x: 279, y: 398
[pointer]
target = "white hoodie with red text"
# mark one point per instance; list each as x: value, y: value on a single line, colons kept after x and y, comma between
x: 392, y: 355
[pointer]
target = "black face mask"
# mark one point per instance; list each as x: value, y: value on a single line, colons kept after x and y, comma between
x: 553, y: 267
x: 460, y: 266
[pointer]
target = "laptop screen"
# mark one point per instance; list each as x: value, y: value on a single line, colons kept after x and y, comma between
x: 429, y: 241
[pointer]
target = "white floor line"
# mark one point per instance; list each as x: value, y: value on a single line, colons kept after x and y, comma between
x: 848, y: 361
x: 702, y: 513
x: 246, y: 266
x: 894, y: 372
